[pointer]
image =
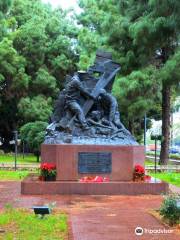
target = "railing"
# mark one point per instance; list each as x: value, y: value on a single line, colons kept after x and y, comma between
x: 20, y: 166
x: 168, y: 168
x: 173, y: 161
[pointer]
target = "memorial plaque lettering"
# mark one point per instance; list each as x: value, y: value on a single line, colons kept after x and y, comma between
x: 94, y: 162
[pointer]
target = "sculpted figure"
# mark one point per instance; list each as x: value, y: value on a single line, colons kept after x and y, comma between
x: 73, y: 91
x: 110, y: 108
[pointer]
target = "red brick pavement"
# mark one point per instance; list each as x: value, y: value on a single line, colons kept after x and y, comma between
x: 97, y: 217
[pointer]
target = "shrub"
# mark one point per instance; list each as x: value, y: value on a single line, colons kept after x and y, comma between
x: 169, y: 209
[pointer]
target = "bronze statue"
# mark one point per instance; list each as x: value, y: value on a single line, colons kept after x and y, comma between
x: 86, y: 112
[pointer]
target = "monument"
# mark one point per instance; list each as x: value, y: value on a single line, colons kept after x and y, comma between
x: 86, y: 112
x: 86, y: 137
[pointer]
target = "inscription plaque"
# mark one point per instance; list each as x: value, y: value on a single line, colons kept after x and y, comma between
x: 94, y: 162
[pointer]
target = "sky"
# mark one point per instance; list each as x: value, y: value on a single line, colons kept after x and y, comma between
x: 63, y: 3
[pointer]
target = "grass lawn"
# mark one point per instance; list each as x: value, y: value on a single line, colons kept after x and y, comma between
x: 149, y: 162
x: 23, y: 224
x: 170, y: 177
x: 12, y: 175
x: 9, y: 158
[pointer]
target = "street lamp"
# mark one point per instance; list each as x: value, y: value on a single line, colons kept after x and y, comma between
x: 156, y: 137
x: 16, y: 148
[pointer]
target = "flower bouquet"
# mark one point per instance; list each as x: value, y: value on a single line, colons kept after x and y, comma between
x: 139, y: 173
x: 48, y: 172
x: 96, y: 179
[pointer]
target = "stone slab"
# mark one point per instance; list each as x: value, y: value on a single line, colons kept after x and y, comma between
x: 33, y: 186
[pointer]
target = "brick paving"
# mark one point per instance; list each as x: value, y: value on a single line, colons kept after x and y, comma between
x: 97, y: 217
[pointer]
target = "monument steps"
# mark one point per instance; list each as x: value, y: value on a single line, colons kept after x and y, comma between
x: 31, y: 185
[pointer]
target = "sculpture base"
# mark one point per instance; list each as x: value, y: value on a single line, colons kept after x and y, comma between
x: 67, y: 159
x: 31, y: 185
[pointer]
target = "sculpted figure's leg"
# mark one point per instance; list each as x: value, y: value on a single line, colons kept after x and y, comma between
x: 116, y: 120
x: 76, y: 109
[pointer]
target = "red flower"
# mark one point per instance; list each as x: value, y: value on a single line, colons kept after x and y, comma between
x: 139, y: 173
x: 139, y: 169
x: 48, y: 169
x: 48, y: 166
x: 97, y: 179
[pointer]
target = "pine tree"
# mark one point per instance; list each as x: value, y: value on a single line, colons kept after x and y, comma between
x: 36, y: 52
x: 141, y: 33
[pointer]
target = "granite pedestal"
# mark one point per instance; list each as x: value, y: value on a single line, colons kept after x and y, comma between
x: 66, y: 158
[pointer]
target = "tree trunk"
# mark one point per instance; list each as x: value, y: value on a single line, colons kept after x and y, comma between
x: 166, y: 108
x: 37, y: 154
x: 37, y: 157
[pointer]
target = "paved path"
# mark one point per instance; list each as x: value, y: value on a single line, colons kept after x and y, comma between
x: 97, y: 217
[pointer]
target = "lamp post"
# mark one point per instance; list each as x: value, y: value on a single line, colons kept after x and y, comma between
x: 16, y: 148
x: 156, y: 138
x: 145, y: 128
x: 23, y: 145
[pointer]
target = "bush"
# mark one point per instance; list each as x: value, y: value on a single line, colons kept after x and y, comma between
x: 169, y: 209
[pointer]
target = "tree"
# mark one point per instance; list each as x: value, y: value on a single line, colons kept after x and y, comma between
x: 34, y: 133
x: 13, y: 85
x: 36, y: 52
x: 36, y: 108
x: 4, y: 7
x: 97, y: 19
x: 134, y: 93
x: 142, y: 32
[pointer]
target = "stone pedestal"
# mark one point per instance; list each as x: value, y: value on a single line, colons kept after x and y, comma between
x: 65, y: 156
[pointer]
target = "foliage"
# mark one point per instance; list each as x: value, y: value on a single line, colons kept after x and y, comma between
x: 36, y: 108
x: 135, y: 94
x: 169, y: 209
x: 39, y: 45
x: 144, y: 34
x: 34, y: 134
x: 52, y: 227
x: 4, y: 6
x: 36, y: 52
x: 98, y: 18
x: 88, y: 43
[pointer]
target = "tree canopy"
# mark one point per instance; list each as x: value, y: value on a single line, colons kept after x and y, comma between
x: 36, y: 52
x: 144, y: 38
x: 40, y: 45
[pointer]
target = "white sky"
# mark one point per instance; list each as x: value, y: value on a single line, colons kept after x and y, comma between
x: 65, y: 4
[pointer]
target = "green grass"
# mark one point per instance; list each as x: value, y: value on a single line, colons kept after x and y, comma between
x: 12, y: 175
x: 24, y: 225
x: 170, y: 177
x: 9, y: 158
x: 148, y: 162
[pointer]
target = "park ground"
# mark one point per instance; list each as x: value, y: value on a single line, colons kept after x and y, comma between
x: 93, y: 217
x: 82, y: 217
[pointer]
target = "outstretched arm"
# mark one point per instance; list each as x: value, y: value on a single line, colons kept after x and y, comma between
x: 84, y: 90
